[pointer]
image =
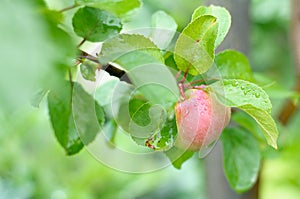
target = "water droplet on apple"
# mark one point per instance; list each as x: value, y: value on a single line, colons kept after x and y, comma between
x: 186, y: 112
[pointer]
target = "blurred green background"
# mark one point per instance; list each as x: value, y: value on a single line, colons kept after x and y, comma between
x: 33, y: 165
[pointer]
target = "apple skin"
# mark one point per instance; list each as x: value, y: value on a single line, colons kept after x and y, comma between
x: 200, y: 119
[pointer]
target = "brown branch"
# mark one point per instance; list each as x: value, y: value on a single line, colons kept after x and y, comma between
x: 290, y: 108
x: 68, y: 8
x: 82, y: 42
x: 110, y: 69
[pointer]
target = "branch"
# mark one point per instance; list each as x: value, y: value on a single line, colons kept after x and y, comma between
x: 112, y: 70
x: 68, y: 8
x: 290, y: 108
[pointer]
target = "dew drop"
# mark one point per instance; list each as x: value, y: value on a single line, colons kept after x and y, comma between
x: 257, y: 95
x: 246, y: 92
x: 201, y: 113
x: 235, y: 83
x: 243, y: 87
x: 186, y: 112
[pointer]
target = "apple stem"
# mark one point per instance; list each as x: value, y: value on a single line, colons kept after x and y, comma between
x: 178, y: 74
x: 185, y: 74
x: 201, y: 87
x: 194, y: 82
x: 181, y: 90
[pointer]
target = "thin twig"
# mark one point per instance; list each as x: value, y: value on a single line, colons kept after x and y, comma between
x: 82, y: 42
x: 178, y: 74
x: 85, y: 55
x: 181, y: 90
x: 195, y: 82
x: 185, y: 74
x: 68, y: 8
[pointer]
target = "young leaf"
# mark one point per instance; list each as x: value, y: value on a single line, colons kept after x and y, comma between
x: 38, y: 97
x: 167, y: 135
x: 247, y: 122
x: 88, y: 70
x: 236, y: 93
x: 223, y: 18
x: 164, y: 29
x: 253, y: 100
x: 140, y: 112
x: 146, y: 121
x: 125, y: 44
x: 110, y: 132
x: 162, y: 139
x: 266, y: 123
x: 95, y: 25
x: 178, y: 156
x: 194, y: 50
x: 233, y: 65
x: 241, y: 158
x: 142, y: 61
x: 111, y: 95
x: 156, y: 83
x: 121, y: 8
x: 88, y: 115
x: 60, y: 111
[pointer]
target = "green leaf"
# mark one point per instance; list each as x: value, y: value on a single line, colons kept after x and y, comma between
x: 236, y: 93
x: 148, y: 125
x: 266, y: 123
x: 120, y: 48
x: 88, y: 115
x: 111, y: 95
x: 163, y: 139
x: 110, y: 132
x: 156, y: 83
x: 122, y: 8
x: 247, y: 122
x: 223, y: 18
x: 95, y: 25
x: 88, y: 70
x: 253, y: 100
x: 194, y: 50
x: 141, y: 115
x: 146, y: 120
x: 60, y: 111
x: 38, y: 97
x: 170, y: 62
x: 164, y: 29
x: 167, y: 135
x: 178, y: 156
x: 241, y: 158
x: 103, y: 93
x: 100, y: 114
x: 233, y: 65
x: 142, y: 61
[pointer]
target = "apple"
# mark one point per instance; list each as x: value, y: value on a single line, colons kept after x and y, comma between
x: 200, y: 119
